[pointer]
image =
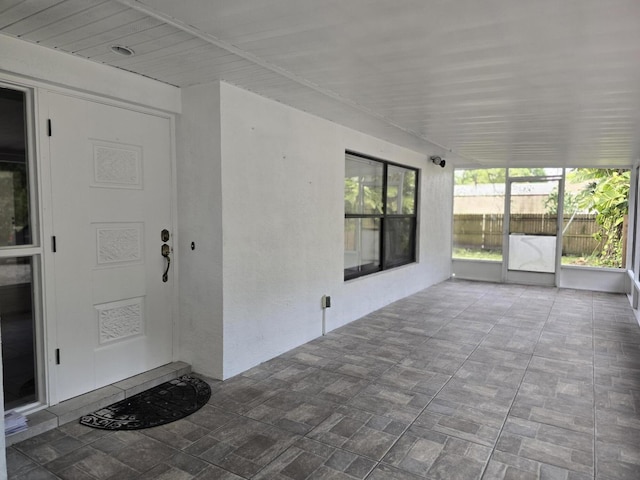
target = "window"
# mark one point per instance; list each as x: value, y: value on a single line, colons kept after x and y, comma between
x: 380, y: 215
x: 19, y: 253
x: 478, y: 210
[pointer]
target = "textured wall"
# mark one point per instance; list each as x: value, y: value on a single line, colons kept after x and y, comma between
x: 283, y: 222
x: 200, y: 222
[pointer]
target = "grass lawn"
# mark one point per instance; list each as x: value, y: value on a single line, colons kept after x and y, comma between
x: 471, y: 254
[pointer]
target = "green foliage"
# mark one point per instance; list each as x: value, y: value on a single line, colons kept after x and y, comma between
x: 370, y: 202
x: 364, y: 195
x: 494, y: 175
x: 607, y: 194
x: 570, y: 203
x: 14, y: 204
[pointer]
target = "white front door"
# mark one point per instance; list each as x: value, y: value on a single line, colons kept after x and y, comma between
x: 111, y: 198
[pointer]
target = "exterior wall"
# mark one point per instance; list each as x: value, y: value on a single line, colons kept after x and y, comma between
x: 283, y: 223
x: 200, y: 222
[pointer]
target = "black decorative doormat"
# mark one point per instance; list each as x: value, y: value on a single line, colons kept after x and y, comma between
x: 165, y: 403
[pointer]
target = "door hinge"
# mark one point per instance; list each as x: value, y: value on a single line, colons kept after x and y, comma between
x: 53, y: 244
x: 49, y: 130
x: 57, y: 356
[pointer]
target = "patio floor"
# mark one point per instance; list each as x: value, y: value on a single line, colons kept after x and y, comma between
x: 463, y: 380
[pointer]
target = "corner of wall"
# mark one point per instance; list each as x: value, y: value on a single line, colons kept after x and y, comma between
x: 200, y: 229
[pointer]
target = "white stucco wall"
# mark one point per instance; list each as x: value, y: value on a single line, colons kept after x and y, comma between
x: 283, y: 222
x: 200, y: 221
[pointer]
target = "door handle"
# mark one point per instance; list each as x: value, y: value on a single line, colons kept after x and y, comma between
x: 165, y: 251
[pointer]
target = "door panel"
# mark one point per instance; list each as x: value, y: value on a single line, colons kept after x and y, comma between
x: 532, y: 232
x: 111, y: 196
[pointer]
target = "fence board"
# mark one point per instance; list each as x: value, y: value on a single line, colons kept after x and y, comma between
x: 485, y: 230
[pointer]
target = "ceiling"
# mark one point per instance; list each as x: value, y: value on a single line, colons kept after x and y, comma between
x: 491, y: 83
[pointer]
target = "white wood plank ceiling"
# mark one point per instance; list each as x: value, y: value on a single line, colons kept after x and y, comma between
x: 496, y: 82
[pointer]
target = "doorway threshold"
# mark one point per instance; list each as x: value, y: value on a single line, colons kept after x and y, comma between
x: 74, y: 408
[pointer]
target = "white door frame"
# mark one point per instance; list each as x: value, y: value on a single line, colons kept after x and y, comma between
x: 35, y: 250
x: 533, y: 278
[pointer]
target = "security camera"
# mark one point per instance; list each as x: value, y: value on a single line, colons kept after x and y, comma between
x: 438, y: 160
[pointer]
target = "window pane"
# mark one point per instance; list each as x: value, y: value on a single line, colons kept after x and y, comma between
x: 533, y: 172
x: 399, y: 241
x: 401, y: 190
x: 478, y: 211
x: 17, y: 323
x: 596, y: 203
x: 361, y: 246
x: 363, y: 186
x: 14, y: 178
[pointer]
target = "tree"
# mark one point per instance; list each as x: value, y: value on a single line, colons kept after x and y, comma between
x: 607, y: 195
x: 494, y: 175
x: 570, y: 203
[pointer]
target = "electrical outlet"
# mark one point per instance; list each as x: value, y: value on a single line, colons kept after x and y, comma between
x: 326, y: 301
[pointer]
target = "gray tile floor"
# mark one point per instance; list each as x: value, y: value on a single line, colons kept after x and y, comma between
x: 463, y: 380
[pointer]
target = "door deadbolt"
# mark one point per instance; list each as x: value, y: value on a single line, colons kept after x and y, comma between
x: 164, y: 235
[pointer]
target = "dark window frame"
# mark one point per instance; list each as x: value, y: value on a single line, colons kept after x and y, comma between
x: 384, y: 262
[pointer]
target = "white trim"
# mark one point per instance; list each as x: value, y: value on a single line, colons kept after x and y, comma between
x: 35, y: 250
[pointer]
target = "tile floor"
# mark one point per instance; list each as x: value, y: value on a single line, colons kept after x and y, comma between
x: 463, y: 380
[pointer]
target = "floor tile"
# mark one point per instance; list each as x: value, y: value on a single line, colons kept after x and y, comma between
x: 545, y: 394
x: 617, y: 377
x: 504, y: 466
x: 462, y: 421
x: 48, y: 446
x: 308, y: 459
x: 293, y: 412
x: 179, y: 434
x: 360, y: 432
x: 241, y: 394
x: 504, y: 374
x: 548, y: 444
x: 139, y: 451
x: 385, y: 472
x: 617, y: 461
x: 38, y: 473
x: 357, y: 365
x: 435, y: 455
x: 511, y: 338
x: 617, y: 428
x: 469, y: 332
x: 280, y: 369
x: 180, y: 466
x: 401, y: 405
x: 438, y: 355
x: 414, y: 379
x: 330, y: 386
x: 18, y: 462
x: 491, y: 398
x: 574, y: 348
x: 89, y: 461
x: 242, y: 446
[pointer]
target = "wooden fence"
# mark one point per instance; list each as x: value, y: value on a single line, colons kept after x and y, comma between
x: 485, y: 230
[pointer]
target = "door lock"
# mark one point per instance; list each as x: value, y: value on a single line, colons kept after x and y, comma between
x: 164, y: 235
